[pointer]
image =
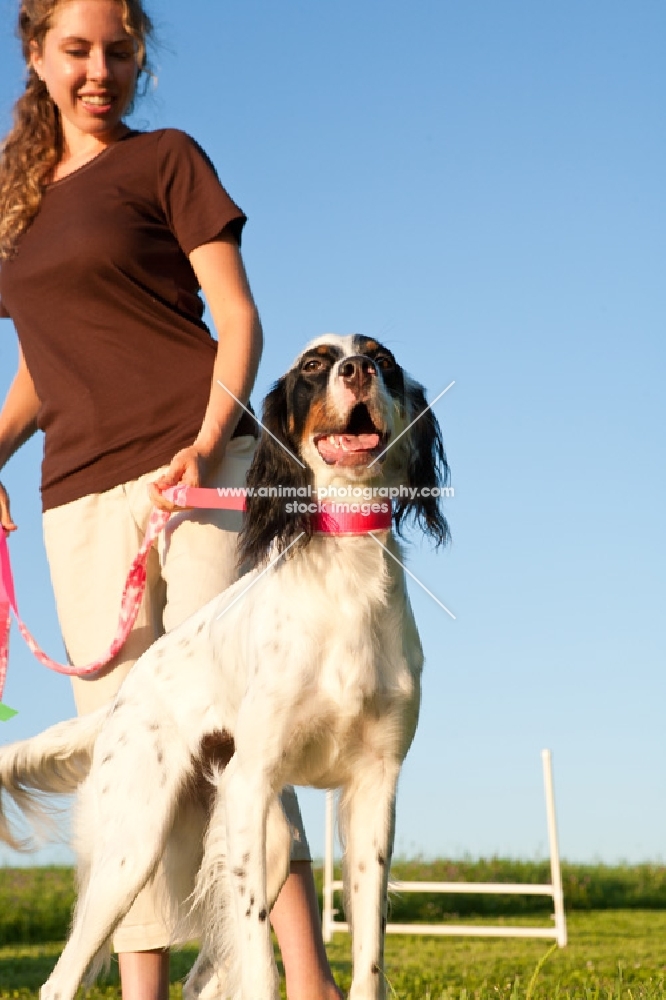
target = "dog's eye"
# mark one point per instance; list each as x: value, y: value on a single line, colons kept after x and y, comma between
x: 384, y: 362
x: 314, y: 365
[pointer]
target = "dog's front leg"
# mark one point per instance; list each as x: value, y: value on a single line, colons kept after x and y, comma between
x: 368, y: 825
x: 248, y: 795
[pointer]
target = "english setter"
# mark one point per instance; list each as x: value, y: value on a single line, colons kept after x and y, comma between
x: 311, y: 663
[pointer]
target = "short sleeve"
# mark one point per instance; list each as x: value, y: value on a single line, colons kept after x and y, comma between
x: 196, y: 206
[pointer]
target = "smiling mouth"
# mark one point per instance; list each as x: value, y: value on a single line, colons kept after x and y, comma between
x: 97, y: 101
x: 357, y: 444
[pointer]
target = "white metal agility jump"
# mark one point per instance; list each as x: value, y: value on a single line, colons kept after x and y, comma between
x: 558, y: 930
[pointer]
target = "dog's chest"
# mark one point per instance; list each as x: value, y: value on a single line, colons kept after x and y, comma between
x: 338, y: 624
x: 356, y: 663
x: 364, y: 661
x: 361, y: 706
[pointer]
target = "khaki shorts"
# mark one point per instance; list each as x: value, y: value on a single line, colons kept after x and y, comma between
x: 90, y: 544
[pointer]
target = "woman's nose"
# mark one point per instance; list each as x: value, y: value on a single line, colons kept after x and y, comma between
x: 98, y: 64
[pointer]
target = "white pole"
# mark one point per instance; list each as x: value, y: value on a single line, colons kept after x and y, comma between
x: 555, y: 872
x: 327, y: 915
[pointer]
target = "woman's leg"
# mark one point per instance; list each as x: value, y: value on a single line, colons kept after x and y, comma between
x: 144, y: 974
x: 295, y: 919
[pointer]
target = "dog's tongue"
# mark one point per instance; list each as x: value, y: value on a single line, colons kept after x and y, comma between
x: 346, y: 449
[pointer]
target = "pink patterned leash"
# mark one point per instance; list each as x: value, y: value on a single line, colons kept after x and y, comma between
x: 133, y: 590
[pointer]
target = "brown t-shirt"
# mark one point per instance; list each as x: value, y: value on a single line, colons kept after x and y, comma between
x: 107, y: 309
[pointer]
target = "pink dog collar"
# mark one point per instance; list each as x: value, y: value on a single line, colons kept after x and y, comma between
x: 330, y: 520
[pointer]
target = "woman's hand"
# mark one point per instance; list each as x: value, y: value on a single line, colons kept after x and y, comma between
x: 6, y: 519
x: 189, y: 467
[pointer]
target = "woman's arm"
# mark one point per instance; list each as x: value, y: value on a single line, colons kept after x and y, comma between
x: 18, y: 422
x: 221, y: 274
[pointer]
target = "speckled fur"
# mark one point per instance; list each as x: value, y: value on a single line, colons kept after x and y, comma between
x: 312, y: 665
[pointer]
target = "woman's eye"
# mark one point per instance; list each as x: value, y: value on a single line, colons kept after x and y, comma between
x: 77, y: 53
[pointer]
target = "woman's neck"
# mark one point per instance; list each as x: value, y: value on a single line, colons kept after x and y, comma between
x: 80, y: 149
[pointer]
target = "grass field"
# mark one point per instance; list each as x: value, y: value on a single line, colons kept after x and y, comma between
x: 616, y: 918
x: 612, y: 955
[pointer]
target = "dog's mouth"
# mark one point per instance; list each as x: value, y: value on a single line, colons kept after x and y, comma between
x: 357, y: 444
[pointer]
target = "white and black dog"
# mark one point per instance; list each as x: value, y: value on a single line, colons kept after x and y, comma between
x: 311, y: 663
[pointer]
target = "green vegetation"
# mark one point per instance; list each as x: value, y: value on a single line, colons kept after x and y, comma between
x: 586, y: 887
x: 613, y: 954
x: 35, y: 904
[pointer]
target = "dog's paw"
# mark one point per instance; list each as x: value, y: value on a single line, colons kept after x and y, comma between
x: 49, y: 991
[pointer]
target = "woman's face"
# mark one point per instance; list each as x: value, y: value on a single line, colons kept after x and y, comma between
x: 89, y: 65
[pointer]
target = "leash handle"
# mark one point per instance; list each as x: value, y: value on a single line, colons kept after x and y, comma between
x: 230, y: 498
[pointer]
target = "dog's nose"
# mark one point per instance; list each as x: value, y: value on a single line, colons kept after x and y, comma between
x: 356, y: 372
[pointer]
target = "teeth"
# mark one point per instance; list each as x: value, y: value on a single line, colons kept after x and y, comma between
x: 335, y: 442
x: 100, y: 101
x: 343, y: 445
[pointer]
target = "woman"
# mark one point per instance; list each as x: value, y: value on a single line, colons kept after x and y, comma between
x: 106, y: 237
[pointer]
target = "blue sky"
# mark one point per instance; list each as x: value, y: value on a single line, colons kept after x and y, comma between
x: 479, y: 184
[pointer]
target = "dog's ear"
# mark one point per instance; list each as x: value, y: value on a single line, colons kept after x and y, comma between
x: 427, y: 469
x: 273, y: 482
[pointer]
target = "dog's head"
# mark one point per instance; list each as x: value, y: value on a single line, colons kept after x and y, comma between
x: 344, y: 415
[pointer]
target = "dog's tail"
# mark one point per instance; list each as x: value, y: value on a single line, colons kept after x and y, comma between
x: 55, y: 762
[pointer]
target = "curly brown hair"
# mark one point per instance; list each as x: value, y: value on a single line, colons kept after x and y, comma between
x: 33, y: 146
